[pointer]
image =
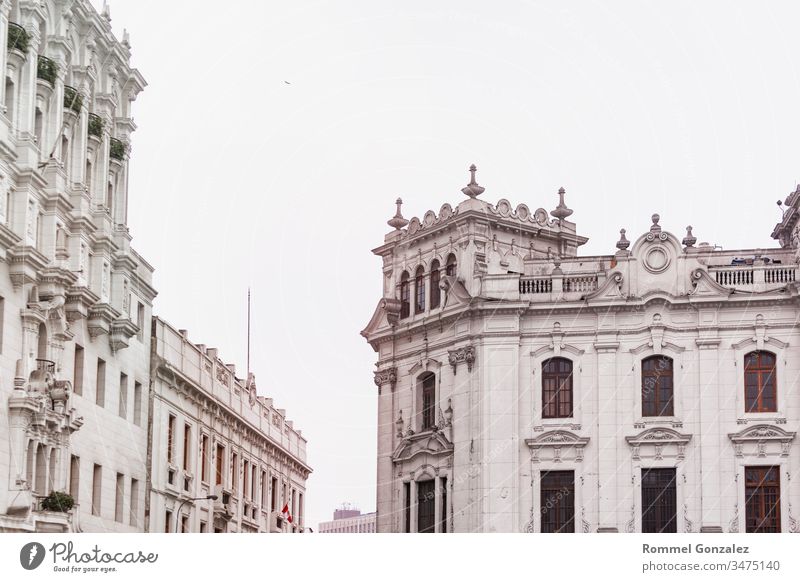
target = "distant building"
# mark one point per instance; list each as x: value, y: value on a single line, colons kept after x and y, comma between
x: 346, y: 520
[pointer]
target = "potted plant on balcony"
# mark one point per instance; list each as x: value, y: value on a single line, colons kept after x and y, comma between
x: 47, y: 69
x: 18, y: 38
x: 96, y: 125
x: 58, y: 501
x: 72, y: 99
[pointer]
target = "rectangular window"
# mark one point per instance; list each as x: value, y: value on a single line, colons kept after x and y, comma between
x: 203, y: 527
x: 187, y: 447
x: 274, y: 496
x: 167, y: 521
x: 123, y: 396
x: 140, y: 321
x: 75, y: 477
x: 557, y: 499
x: 204, y: 458
x: 407, y: 506
x: 220, y: 464
x: 254, y: 482
x: 120, y: 496
x: 134, y: 502
x: 184, y: 523
x: 762, y: 499
x: 443, y: 525
x: 100, y: 393
x: 137, y: 404
x: 264, y: 490
x: 760, y: 390
x: 97, y: 485
x: 428, y: 402
x: 426, y: 506
x: 300, y: 510
x: 234, y: 477
x: 77, y: 374
x: 2, y: 319
x: 659, y: 501
x: 171, y: 439
x: 657, y: 387
x: 246, y: 479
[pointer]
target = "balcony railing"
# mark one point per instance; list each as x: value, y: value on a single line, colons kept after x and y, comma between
x: 96, y: 125
x: 46, y: 365
x: 569, y: 284
x: 754, y: 277
x: 72, y: 99
x: 18, y: 38
x: 46, y: 69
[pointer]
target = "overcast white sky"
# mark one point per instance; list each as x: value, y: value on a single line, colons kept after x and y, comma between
x: 239, y: 179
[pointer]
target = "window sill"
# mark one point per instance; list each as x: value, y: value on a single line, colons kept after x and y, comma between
x: 672, y: 421
x: 749, y: 417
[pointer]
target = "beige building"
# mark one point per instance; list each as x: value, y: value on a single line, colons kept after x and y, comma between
x: 74, y: 296
x: 525, y: 387
x: 346, y: 520
x: 212, y: 435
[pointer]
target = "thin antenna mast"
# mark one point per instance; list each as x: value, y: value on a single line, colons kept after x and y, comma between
x: 248, y: 333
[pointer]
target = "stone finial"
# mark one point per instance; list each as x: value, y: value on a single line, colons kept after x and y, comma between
x: 126, y: 38
x: 561, y: 211
x: 473, y: 189
x: 689, y: 239
x: 397, y: 221
x: 106, y: 12
x: 623, y: 243
x: 656, y: 227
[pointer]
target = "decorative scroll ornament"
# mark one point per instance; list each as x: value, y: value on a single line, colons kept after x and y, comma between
x: 465, y: 354
x: 655, y: 230
x: 387, y: 376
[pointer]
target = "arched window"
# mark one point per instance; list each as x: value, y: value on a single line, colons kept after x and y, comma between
x: 557, y: 388
x: 450, y: 268
x: 419, y: 288
x: 760, y: 391
x: 657, y: 386
x: 427, y: 387
x: 405, y: 297
x: 436, y: 293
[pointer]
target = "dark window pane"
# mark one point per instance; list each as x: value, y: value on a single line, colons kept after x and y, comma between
x: 557, y: 497
x: 659, y: 501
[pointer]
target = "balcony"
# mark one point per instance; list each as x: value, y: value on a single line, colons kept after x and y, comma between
x: 96, y: 125
x: 72, y: 99
x: 754, y: 277
x: 47, y: 70
x: 45, y: 365
x: 18, y: 38
x: 117, y: 149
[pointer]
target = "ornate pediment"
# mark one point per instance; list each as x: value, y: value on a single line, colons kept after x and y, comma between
x: 610, y: 289
x: 553, y: 441
x: 762, y: 440
x: 658, y: 438
x: 705, y: 286
x: 386, y: 314
x: 432, y: 443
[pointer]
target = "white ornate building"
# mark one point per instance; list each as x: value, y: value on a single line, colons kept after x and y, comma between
x: 523, y: 387
x: 212, y: 435
x: 74, y: 296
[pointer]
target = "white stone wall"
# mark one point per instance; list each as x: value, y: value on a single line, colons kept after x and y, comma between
x: 656, y: 295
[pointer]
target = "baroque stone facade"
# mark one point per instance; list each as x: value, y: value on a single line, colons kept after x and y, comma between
x: 509, y: 363
x: 75, y: 298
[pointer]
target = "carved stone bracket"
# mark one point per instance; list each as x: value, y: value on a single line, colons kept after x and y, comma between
x: 465, y: 354
x: 387, y: 376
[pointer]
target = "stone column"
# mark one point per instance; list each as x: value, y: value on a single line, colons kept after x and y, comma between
x: 385, y: 380
x: 608, y: 435
x: 437, y: 504
x: 709, y: 435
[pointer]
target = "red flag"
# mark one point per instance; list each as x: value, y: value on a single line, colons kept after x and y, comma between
x: 285, y: 511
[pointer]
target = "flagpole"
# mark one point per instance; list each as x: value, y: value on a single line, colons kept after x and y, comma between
x: 248, y: 333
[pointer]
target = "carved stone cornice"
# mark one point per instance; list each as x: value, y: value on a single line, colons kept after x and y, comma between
x: 760, y: 436
x: 659, y: 437
x: 25, y: 264
x: 556, y: 440
x: 78, y: 302
x: 464, y: 354
x: 8, y: 238
x: 122, y: 330
x: 100, y: 318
